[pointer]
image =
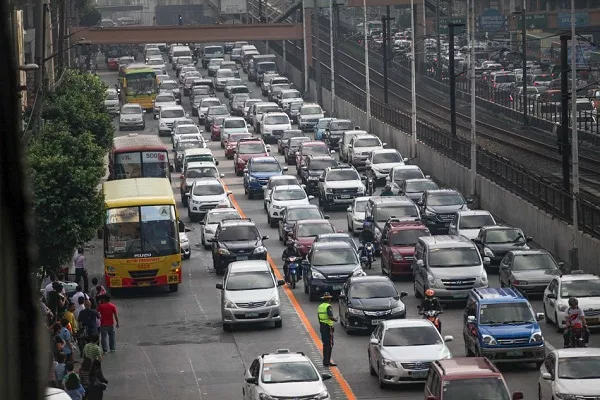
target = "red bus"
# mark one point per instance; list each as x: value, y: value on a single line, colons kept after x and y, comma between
x: 139, y: 156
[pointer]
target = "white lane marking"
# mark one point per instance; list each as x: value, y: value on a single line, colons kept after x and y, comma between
x: 153, y: 369
x: 195, y: 377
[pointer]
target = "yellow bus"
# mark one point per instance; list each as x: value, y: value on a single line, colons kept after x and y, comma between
x: 141, y: 234
x: 138, y: 85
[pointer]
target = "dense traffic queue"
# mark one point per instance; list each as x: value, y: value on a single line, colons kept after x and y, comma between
x: 416, y: 228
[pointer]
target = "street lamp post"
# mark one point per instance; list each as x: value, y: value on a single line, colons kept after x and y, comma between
x: 331, y: 61
x: 367, y: 70
x: 523, y: 14
x: 574, y: 141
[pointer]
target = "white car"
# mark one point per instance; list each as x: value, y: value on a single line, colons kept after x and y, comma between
x: 258, y: 110
x: 231, y: 82
x: 186, y: 251
x: 570, y: 374
x: 355, y: 214
x: 247, y: 106
x: 212, y: 220
x: 361, y: 147
x: 345, y: 140
x: 213, y: 65
x: 467, y: 223
x: 284, y: 375
x: 289, y: 96
x: 205, y: 103
x: 111, y: 101
x: 170, y: 85
x: 274, y: 124
x: 275, y: 181
x: 402, y: 350
x: 283, y: 196
x: 221, y: 78
x: 585, y: 287
x: 204, y: 195
x: 187, y: 129
x: 309, y: 115
x: 164, y: 99
x: 131, y: 116
x: 166, y: 118
x: 157, y: 64
x: 380, y: 162
x: 401, y: 173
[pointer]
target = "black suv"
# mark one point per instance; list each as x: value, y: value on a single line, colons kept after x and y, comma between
x: 237, y: 240
x: 313, y: 169
x: 497, y: 240
x: 334, y: 131
x: 438, y: 207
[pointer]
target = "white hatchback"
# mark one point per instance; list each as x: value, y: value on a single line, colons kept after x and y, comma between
x: 212, y: 220
x: 283, y: 196
x: 204, y: 195
x: 570, y: 374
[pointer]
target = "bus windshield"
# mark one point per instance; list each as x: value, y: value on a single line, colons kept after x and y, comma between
x: 141, y: 83
x: 141, y: 231
x: 147, y: 164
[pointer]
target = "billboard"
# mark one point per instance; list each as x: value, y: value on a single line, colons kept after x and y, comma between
x: 234, y: 7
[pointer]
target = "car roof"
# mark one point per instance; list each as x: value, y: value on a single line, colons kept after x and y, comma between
x: 388, y: 200
x: 238, y: 222
x: 443, y: 191
x: 312, y: 104
x: 473, y: 212
x: 287, y: 187
x: 363, y: 198
x: 463, y: 367
x: 498, y: 227
x: 578, y: 277
x: 208, y: 181
x: 396, y: 226
x: 334, y: 235
x: 407, y: 166
x: 529, y: 252
x: 385, y: 151
x: 367, y: 136
x: 171, y: 108
x: 267, y: 159
x: 320, y: 157
x: 211, y: 98
x: 299, y: 206
x: 234, y: 119
x: 578, y: 352
x: 131, y: 105
x: 249, y: 266
x: 356, y: 132
x: 314, y: 143
x: 283, y: 178
x: 311, y: 221
x: 200, y: 164
x: 271, y: 114
x: 498, y: 295
x: 184, y: 125
x: 221, y: 210
x: 332, y: 245
x: 447, y: 241
x: 198, y: 151
x: 275, y: 358
x: 399, y: 323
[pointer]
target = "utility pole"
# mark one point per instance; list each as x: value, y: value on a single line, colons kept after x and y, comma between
x: 413, y: 83
x: 331, y: 54
x: 386, y: 52
x: 524, y: 52
x: 260, y: 11
x: 367, y: 69
x: 62, y: 28
x: 305, y: 48
x: 40, y: 56
x: 438, y: 45
x: 452, y: 76
x: 564, y: 145
x: 471, y: 35
x: 574, y: 141
x: 388, y: 25
x: 317, y: 36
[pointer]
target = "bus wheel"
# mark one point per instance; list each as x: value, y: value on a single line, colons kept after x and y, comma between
x: 173, y: 287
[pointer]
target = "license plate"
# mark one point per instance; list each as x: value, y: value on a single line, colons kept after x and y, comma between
x: 591, y: 320
x: 338, y: 287
x: 173, y: 278
x: 277, y: 132
x: 460, y: 296
x: 251, y: 315
x: 376, y: 321
x: 447, y: 224
x: 419, y: 374
x: 514, y: 353
x: 345, y: 196
x: 241, y: 258
x: 115, y: 282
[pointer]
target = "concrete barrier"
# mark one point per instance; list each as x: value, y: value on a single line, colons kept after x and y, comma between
x: 549, y: 232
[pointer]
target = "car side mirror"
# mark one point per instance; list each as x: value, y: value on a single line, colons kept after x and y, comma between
x: 285, y: 168
x: 420, y: 263
x: 448, y: 338
x: 403, y: 294
x: 551, y: 296
x: 517, y: 396
x: 311, y: 197
x: 156, y: 116
x: 251, y: 379
x: 427, y: 176
x: 221, y: 175
x: 326, y: 217
x: 265, y: 238
x: 342, y: 296
x: 217, y: 163
x: 280, y: 282
x: 245, y: 170
x: 349, y: 209
x: 187, y: 194
x: 471, y: 319
x: 181, y: 227
x: 325, y: 377
x: 547, y: 376
x: 486, y: 261
x: 305, y: 263
x: 321, y: 179
x: 383, y: 144
x: 529, y: 239
x: 143, y: 111
x: 469, y: 201
x: 374, y: 341
x: 229, y: 193
x: 332, y: 152
x: 539, y: 316
x: 405, y: 159
x: 219, y: 286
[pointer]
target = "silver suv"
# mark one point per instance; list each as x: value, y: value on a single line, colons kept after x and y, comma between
x: 450, y: 265
x: 249, y: 294
x: 339, y: 185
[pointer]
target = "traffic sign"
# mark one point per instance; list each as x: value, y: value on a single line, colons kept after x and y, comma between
x: 564, y: 19
x: 491, y: 20
x: 533, y: 21
x: 444, y: 21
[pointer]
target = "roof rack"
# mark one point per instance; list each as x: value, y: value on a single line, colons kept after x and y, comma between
x: 236, y: 219
x: 283, y: 351
x: 577, y: 272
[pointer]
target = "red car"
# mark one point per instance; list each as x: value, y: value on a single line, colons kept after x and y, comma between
x: 398, y: 241
x: 232, y: 141
x: 310, y: 149
x: 113, y: 64
x: 245, y: 150
x: 215, y: 128
x: 305, y: 231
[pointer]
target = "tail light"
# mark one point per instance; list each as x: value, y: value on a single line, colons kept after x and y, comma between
x: 182, y: 176
x: 494, y: 85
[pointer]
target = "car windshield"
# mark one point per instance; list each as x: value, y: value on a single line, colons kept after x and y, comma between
x: 314, y: 230
x: 373, y: 290
x: 382, y: 214
x: 343, y: 175
x: 498, y: 236
x: 446, y: 199
x: 328, y: 257
x: 288, y: 372
x: 240, y: 233
x: 213, y: 50
x: 360, y: 206
x: 289, y: 194
x: 254, y: 280
x: 186, y: 130
x: 580, y: 288
x: 505, y: 79
x: 240, y: 98
x: 251, y: 148
x: 172, y: 113
x: 408, y: 237
x: 202, y: 172
x: 277, y: 120
x: 234, y: 123
x: 215, y: 62
x: 218, y: 110
x: 112, y: 96
x: 266, y: 166
x: 225, y: 73
x: 420, y: 186
x: 215, y: 218
x: 475, y: 389
x: 475, y: 221
x: 367, y: 142
x: 235, y: 137
x: 280, y: 182
x: 168, y: 85
x: 131, y: 110
x: 322, y: 124
x: 155, y: 61
x: 299, y: 214
x: 291, y: 95
x: 210, y: 103
x: 208, y: 190
x: 322, y: 164
x: 295, y: 142
x: 411, y: 336
x: 341, y: 126
x: 579, y: 367
x: 505, y: 313
x: 314, y: 110
x: 266, y: 109
x: 382, y: 158
x: 163, y: 99
x: 402, y: 175
x: 189, y: 144
x: 458, y: 257
x: 530, y: 262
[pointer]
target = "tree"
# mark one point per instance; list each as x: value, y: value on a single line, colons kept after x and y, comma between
x: 68, y: 207
x: 88, y: 11
x: 79, y: 102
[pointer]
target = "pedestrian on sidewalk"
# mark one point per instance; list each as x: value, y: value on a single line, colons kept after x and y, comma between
x: 108, y: 317
x: 88, y: 319
x: 81, y: 269
x: 66, y: 335
x: 93, y: 379
x: 92, y: 349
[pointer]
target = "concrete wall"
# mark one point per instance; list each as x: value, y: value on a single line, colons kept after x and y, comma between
x: 551, y: 233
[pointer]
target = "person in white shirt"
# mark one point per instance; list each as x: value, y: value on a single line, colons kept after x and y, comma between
x: 49, y: 287
x: 79, y: 305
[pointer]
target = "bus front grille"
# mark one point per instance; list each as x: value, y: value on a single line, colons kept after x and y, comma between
x: 151, y: 273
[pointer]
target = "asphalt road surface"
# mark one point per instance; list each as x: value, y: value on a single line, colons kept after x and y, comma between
x: 172, y: 346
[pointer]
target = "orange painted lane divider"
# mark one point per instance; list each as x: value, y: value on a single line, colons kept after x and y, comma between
x: 307, y: 325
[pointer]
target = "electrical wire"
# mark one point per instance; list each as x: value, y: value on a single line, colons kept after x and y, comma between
x: 37, y: 94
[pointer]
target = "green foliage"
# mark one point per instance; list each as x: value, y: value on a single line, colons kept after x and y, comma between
x: 65, y: 171
x: 90, y: 16
x: 79, y: 103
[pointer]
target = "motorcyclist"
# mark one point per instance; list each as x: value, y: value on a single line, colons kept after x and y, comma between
x: 574, y: 318
x: 290, y: 251
x: 431, y: 303
x: 387, y: 191
x: 366, y: 236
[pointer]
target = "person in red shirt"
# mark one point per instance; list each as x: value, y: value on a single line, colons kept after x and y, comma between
x: 108, y: 317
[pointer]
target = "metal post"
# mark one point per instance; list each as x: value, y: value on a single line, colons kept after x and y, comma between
x: 438, y: 66
x: 367, y: 70
x: 317, y: 38
x: 413, y: 84
x: 574, y: 140
x: 524, y: 49
x: 452, y: 78
x: 62, y: 27
x: 305, y: 48
x: 471, y: 28
x: 40, y: 56
x: 424, y: 22
x: 385, y: 56
x: 332, y: 59
x: 388, y: 28
x: 564, y: 120
x: 260, y: 11
x: 284, y: 57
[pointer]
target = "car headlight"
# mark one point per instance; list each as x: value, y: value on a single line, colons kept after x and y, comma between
x: 525, y: 247
x: 273, y: 302
x: 565, y: 396
x: 276, y: 207
x: 562, y: 307
x: 328, y: 191
x: 229, y: 304
x: 388, y: 363
x: 398, y: 257
x: 398, y: 309
x: 430, y: 214
x: 195, y: 202
x: 110, y: 270
x: 260, y: 250
x: 162, y: 124
x: 323, y: 395
x: 317, y: 275
x: 536, y: 337
x: 223, y: 252
x: 489, y: 340
x: 264, y: 396
x: 483, y: 278
x: 354, y: 311
x: 208, y: 230
x: 487, y: 252
x: 358, y: 272
x: 431, y: 280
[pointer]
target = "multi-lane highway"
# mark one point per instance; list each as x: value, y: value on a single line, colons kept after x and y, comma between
x: 172, y: 346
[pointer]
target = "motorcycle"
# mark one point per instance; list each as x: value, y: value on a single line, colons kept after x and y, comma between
x: 293, y: 267
x: 370, y: 186
x: 433, y: 317
x: 576, y: 337
x: 368, y: 251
